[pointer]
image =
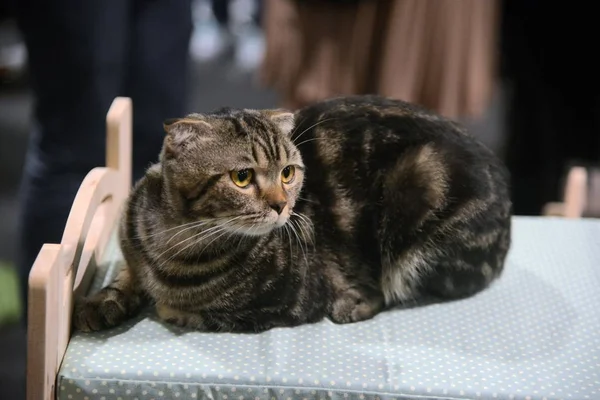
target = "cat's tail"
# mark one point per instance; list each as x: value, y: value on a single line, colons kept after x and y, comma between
x: 111, y: 306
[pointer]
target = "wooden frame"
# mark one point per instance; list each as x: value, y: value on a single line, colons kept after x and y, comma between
x: 62, y: 271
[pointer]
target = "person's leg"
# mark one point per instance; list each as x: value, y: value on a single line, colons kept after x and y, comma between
x: 258, y: 13
x: 220, y: 9
x: 76, y: 55
x: 82, y: 55
x: 157, y: 73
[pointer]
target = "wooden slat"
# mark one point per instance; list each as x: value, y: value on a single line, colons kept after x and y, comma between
x: 41, y: 333
x: 93, y: 217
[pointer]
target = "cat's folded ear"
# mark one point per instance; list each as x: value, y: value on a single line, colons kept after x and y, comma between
x: 181, y: 132
x: 283, y: 119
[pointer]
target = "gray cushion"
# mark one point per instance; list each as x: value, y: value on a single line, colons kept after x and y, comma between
x: 533, y: 335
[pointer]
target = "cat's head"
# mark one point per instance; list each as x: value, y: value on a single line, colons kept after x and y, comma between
x: 238, y: 168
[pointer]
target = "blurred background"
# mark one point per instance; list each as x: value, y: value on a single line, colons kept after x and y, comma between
x: 525, y: 88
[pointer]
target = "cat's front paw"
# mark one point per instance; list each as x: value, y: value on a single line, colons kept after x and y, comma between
x: 179, y: 318
x: 95, y: 314
x: 352, y: 306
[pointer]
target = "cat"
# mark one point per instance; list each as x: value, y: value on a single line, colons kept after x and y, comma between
x: 254, y: 219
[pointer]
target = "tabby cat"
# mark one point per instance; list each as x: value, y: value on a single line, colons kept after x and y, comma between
x: 259, y: 219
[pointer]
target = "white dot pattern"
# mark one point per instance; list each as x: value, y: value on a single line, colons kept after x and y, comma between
x: 532, y: 335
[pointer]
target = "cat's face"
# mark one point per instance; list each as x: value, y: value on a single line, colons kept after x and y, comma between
x: 237, y: 169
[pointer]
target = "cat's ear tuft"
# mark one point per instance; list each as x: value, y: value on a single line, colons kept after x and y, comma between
x: 181, y: 132
x: 283, y: 119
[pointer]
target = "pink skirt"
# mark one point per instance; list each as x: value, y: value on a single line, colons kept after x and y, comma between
x: 437, y: 53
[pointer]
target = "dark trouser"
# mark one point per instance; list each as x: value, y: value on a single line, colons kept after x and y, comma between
x: 554, y: 108
x: 82, y: 54
x: 220, y: 10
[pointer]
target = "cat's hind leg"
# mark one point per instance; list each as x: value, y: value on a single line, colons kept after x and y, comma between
x: 109, y: 307
x: 414, y: 191
x: 449, y: 264
x: 478, y: 259
x: 448, y: 282
x: 422, y: 274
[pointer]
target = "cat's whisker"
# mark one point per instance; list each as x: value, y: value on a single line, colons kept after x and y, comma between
x: 225, y: 231
x: 306, y: 223
x: 230, y: 234
x: 304, y: 267
x: 287, y: 230
x: 303, y: 217
x: 203, y: 222
x: 297, y: 127
x: 311, y: 139
x: 255, y: 227
x: 219, y: 229
x: 293, y: 227
x: 300, y: 225
x: 307, y: 200
x: 243, y: 237
x: 310, y: 127
x: 236, y: 232
x: 205, y: 234
x: 195, y: 243
x: 186, y: 229
x: 199, y: 223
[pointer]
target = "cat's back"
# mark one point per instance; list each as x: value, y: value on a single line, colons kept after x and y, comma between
x: 362, y: 137
x: 374, y: 129
x: 376, y: 118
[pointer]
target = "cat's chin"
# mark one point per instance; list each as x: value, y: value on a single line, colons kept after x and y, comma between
x: 259, y: 230
x: 281, y: 221
x: 265, y: 228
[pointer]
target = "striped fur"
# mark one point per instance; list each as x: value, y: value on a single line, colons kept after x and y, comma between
x: 390, y: 204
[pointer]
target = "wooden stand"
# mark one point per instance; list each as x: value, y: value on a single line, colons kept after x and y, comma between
x: 62, y: 270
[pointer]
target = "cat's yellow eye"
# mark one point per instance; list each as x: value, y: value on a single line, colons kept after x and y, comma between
x: 241, y: 178
x: 287, y: 174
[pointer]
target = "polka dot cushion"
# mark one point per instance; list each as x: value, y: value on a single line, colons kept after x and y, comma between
x: 534, y: 335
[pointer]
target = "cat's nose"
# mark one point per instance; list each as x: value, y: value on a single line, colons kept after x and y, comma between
x: 278, y: 206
